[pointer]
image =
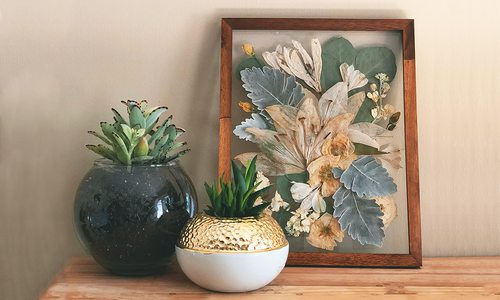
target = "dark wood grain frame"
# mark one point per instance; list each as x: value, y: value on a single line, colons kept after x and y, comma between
x: 406, y: 27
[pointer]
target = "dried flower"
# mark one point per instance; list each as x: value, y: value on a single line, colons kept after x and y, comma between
x: 297, y: 138
x: 353, y: 78
x: 300, y: 221
x: 388, y: 207
x: 374, y: 96
x: 277, y: 203
x: 382, y: 77
x: 308, y: 196
x: 320, y: 174
x: 248, y: 49
x: 385, y: 88
x: 297, y: 62
x: 262, y: 180
x: 340, y: 145
x: 247, y: 106
x: 324, y: 232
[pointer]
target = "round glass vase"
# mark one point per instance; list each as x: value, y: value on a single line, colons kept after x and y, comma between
x: 130, y: 217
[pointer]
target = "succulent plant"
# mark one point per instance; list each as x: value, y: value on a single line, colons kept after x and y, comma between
x: 236, y: 199
x: 140, y: 140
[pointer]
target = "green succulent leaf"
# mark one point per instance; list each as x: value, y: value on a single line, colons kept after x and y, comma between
x: 122, y: 153
x: 103, y: 151
x: 118, y: 117
x: 107, y: 130
x: 237, y: 197
x: 153, y: 118
x: 100, y: 136
x: 127, y: 131
x: 136, y: 117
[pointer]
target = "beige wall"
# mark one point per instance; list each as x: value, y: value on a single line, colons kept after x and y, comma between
x: 63, y: 64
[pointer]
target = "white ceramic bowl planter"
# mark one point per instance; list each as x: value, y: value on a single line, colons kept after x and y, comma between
x: 232, y: 255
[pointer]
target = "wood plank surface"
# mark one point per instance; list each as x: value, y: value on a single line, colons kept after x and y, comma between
x: 439, y: 278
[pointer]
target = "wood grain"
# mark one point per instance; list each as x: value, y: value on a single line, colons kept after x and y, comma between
x: 406, y: 28
x: 226, y: 56
x: 469, y: 277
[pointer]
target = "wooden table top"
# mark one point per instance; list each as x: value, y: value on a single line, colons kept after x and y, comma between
x: 439, y: 278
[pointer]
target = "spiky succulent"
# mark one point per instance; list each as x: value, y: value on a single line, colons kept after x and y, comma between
x: 237, y: 197
x: 139, y: 140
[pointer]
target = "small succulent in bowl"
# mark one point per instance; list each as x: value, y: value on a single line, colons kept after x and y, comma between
x: 235, y: 232
x: 131, y: 206
x: 140, y: 140
x: 237, y: 198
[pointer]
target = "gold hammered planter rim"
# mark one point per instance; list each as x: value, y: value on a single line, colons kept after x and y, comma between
x: 205, y: 251
x: 211, y: 235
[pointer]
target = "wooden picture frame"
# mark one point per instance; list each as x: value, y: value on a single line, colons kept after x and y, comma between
x: 406, y: 28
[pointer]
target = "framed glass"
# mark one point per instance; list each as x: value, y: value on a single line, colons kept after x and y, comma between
x: 328, y: 107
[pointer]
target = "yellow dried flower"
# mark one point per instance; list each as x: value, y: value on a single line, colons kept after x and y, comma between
x: 246, y: 106
x: 248, y: 49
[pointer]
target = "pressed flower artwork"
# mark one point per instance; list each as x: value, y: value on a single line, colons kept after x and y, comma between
x: 323, y: 112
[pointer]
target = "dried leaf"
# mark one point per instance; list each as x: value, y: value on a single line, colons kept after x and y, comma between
x: 268, y: 86
x: 279, y: 149
x: 360, y: 217
x: 368, y: 178
x: 255, y: 122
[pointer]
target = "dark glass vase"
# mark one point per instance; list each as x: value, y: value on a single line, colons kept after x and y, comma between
x: 129, y: 217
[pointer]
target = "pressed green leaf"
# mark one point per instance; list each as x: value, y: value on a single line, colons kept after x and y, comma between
x: 268, y: 86
x: 285, y: 182
x: 362, y: 149
x: 248, y: 63
x: 359, y: 217
x: 365, y: 112
x: 373, y: 60
x: 335, y: 52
